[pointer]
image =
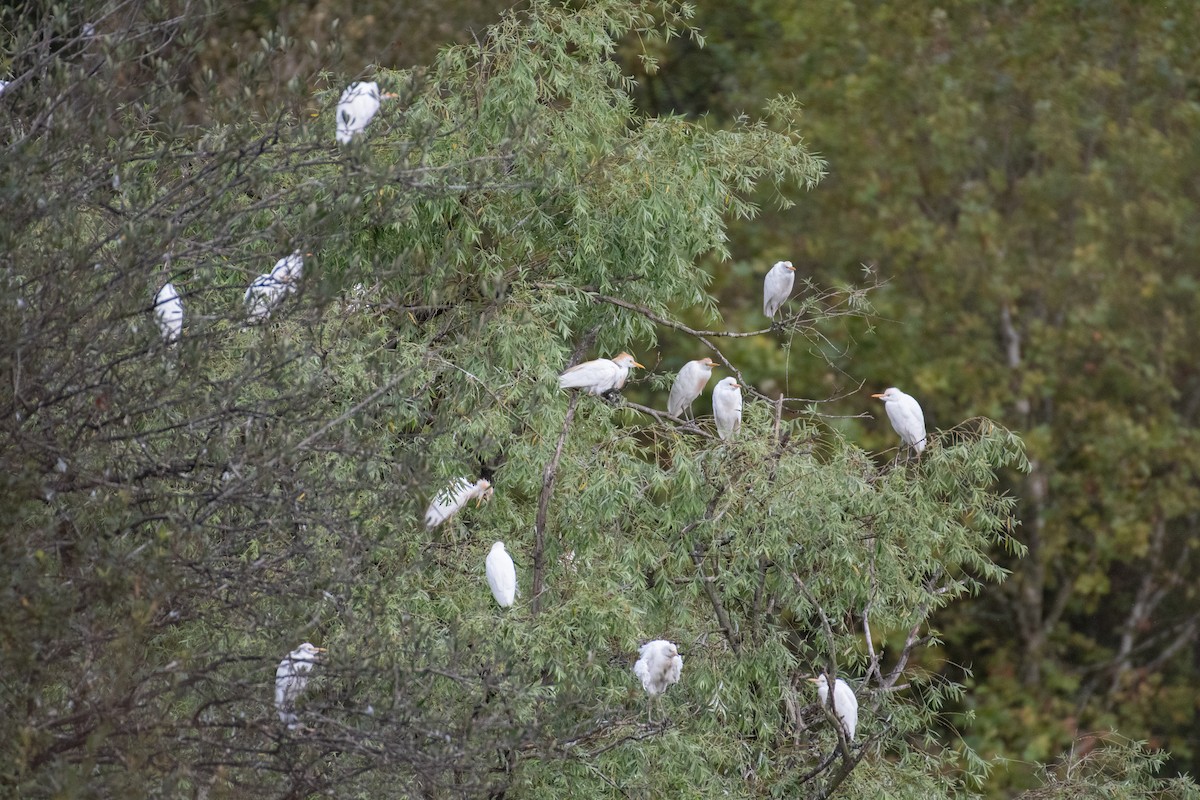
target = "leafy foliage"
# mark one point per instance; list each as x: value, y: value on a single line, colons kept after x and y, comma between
x: 1018, y: 177
x: 188, y: 514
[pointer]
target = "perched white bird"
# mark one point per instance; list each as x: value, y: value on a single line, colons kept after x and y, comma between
x: 689, y: 383
x: 659, y: 666
x: 268, y: 290
x: 845, y: 704
x: 3, y: 84
x: 777, y: 286
x: 357, y: 106
x: 727, y: 407
x: 451, y: 500
x: 501, y: 575
x: 168, y: 311
x: 290, y: 679
x: 599, y: 376
x: 906, y: 416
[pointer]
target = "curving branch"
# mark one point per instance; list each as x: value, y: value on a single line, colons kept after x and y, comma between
x: 705, y: 337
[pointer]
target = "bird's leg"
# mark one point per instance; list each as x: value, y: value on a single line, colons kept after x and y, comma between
x: 612, y: 397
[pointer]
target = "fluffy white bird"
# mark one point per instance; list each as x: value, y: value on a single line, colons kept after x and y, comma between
x: 290, y: 679
x: 452, y: 499
x: 659, y: 666
x: 168, y: 311
x: 845, y: 704
x: 268, y: 290
x: 599, y: 376
x: 358, y: 104
x: 501, y: 575
x: 906, y: 416
x: 777, y: 286
x: 689, y: 383
x: 727, y: 407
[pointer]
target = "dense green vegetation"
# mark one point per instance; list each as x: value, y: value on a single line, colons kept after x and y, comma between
x: 179, y: 517
x: 1021, y: 177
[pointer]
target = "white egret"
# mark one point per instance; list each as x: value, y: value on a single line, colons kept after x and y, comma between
x: 358, y: 104
x: 727, y: 407
x: 168, y: 311
x: 501, y: 575
x: 290, y: 679
x: 268, y: 290
x: 845, y: 704
x: 777, y: 286
x: 689, y: 383
x: 660, y: 666
x: 906, y: 416
x: 452, y: 499
x: 599, y: 376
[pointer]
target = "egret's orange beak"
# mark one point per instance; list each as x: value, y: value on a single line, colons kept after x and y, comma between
x: 639, y: 366
x: 320, y: 649
x: 812, y: 680
x: 389, y: 95
x: 878, y: 396
x: 478, y: 502
x: 736, y: 384
x: 791, y: 269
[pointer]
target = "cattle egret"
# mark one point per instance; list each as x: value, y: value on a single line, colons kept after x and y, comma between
x: 168, y: 311
x: 599, y: 376
x: 268, y: 290
x: 727, y: 406
x: 845, y: 704
x: 290, y: 679
x: 501, y: 575
x: 689, y: 383
x: 356, y: 107
x: 777, y: 286
x: 451, y: 500
x: 659, y: 666
x: 905, y: 413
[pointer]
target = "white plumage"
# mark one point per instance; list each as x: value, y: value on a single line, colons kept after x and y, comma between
x: 501, y: 575
x: 268, y: 290
x: 358, y: 104
x: 907, y: 418
x: 845, y: 704
x: 451, y: 500
x: 660, y: 666
x: 689, y: 383
x: 168, y: 311
x: 727, y: 407
x: 290, y: 679
x: 777, y: 286
x: 599, y: 376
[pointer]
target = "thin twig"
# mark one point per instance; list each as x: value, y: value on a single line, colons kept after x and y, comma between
x: 539, y: 528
